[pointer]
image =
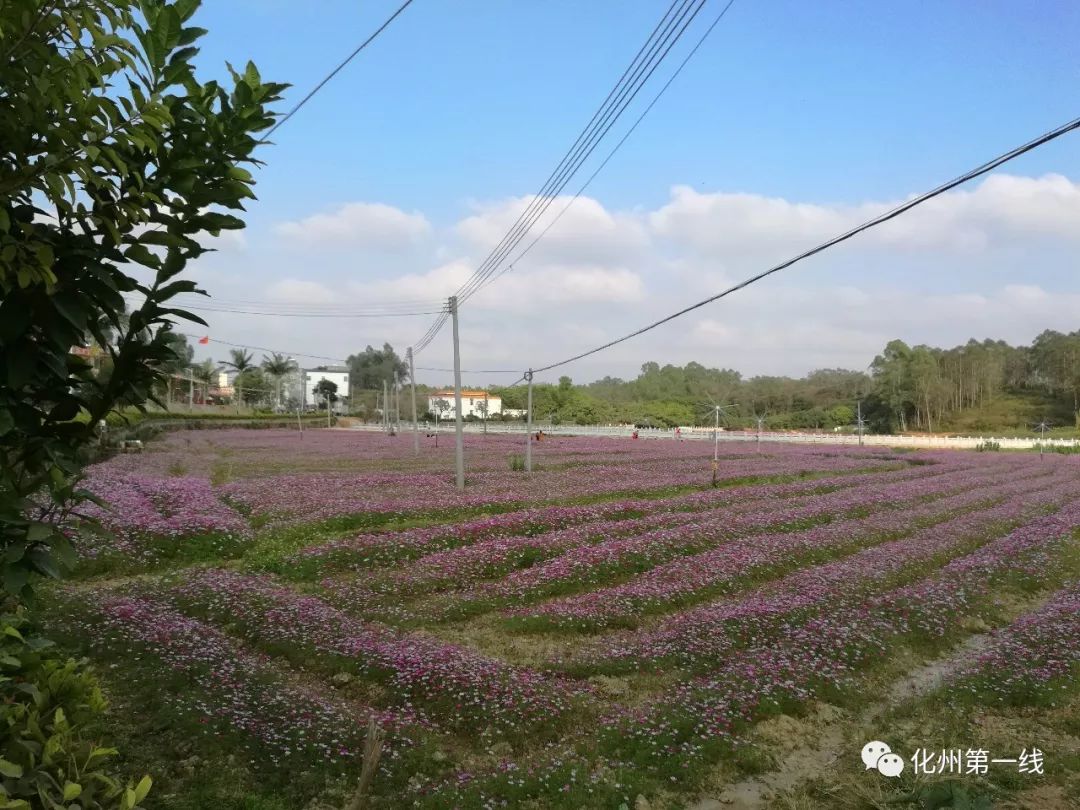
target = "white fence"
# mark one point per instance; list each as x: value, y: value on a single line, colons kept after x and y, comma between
x: 704, y: 433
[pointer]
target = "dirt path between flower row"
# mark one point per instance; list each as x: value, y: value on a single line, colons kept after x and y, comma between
x: 812, y: 745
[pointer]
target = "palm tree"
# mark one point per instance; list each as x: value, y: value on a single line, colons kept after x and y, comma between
x: 205, y: 371
x: 278, y: 366
x: 241, y: 361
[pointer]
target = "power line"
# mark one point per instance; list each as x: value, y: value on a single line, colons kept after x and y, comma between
x: 337, y: 69
x: 262, y: 348
x: 287, y: 310
x: 640, y: 71
x: 338, y: 359
x: 312, y: 314
x: 474, y: 370
x: 430, y: 334
x: 655, y: 49
x: 510, y: 265
x: 389, y: 303
x: 878, y: 220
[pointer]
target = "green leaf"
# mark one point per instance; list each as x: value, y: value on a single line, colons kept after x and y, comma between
x: 141, y: 255
x: 45, y: 255
x: 167, y: 29
x: 100, y: 753
x: 143, y: 788
x: 175, y: 288
x: 73, y: 310
x: 187, y: 316
x: 39, y: 532
x: 185, y: 8
x: 189, y: 35
x: 72, y: 791
x: 10, y: 769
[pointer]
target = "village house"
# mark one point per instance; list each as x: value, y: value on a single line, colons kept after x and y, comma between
x: 473, y: 403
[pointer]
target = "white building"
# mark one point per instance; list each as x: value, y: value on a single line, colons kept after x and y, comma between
x: 311, y: 377
x: 473, y: 403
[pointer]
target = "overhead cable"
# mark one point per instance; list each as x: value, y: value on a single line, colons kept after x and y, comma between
x: 337, y: 69
x: 878, y: 220
x: 430, y: 334
x: 652, y: 54
x: 334, y: 359
x: 510, y: 265
x: 644, y: 63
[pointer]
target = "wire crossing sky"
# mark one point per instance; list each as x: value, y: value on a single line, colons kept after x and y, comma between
x: 409, y: 168
x: 649, y: 57
x: 989, y: 166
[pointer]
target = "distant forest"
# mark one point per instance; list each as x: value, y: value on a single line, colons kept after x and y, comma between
x: 987, y: 386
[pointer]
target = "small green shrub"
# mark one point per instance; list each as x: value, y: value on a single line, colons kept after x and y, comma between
x: 988, y: 447
x: 517, y: 463
x: 221, y: 474
x: 45, y: 702
x: 1063, y: 449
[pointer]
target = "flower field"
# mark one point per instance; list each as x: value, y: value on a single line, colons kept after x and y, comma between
x: 610, y: 630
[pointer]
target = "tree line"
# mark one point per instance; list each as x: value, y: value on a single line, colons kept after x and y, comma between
x: 905, y: 388
x: 978, y: 386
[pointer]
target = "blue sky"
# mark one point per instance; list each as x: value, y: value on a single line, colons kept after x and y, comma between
x: 463, y: 107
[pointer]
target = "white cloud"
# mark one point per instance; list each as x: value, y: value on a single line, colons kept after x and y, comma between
x: 438, y: 283
x: 519, y: 291
x: 1001, y: 207
x: 359, y: 224
x: 999, y: 261
x: 586, y: 233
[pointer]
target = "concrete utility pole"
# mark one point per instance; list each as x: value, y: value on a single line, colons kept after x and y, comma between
x: 760, y: 425
x: 718, y: 410
x: 191, y: 393
x: 716, y: 439
x: 412, y: 385
x: 716, y: 448
x: 299, y: 422
x: 528, y: 423
x: 1042, y: 427
x: 385, y: 409
x: 459, y: 449
x: 860, y: 422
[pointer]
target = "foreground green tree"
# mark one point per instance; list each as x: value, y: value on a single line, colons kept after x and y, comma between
x: 117, y: 166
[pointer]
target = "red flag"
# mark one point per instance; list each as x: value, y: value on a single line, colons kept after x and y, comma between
x: 204, y: 340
